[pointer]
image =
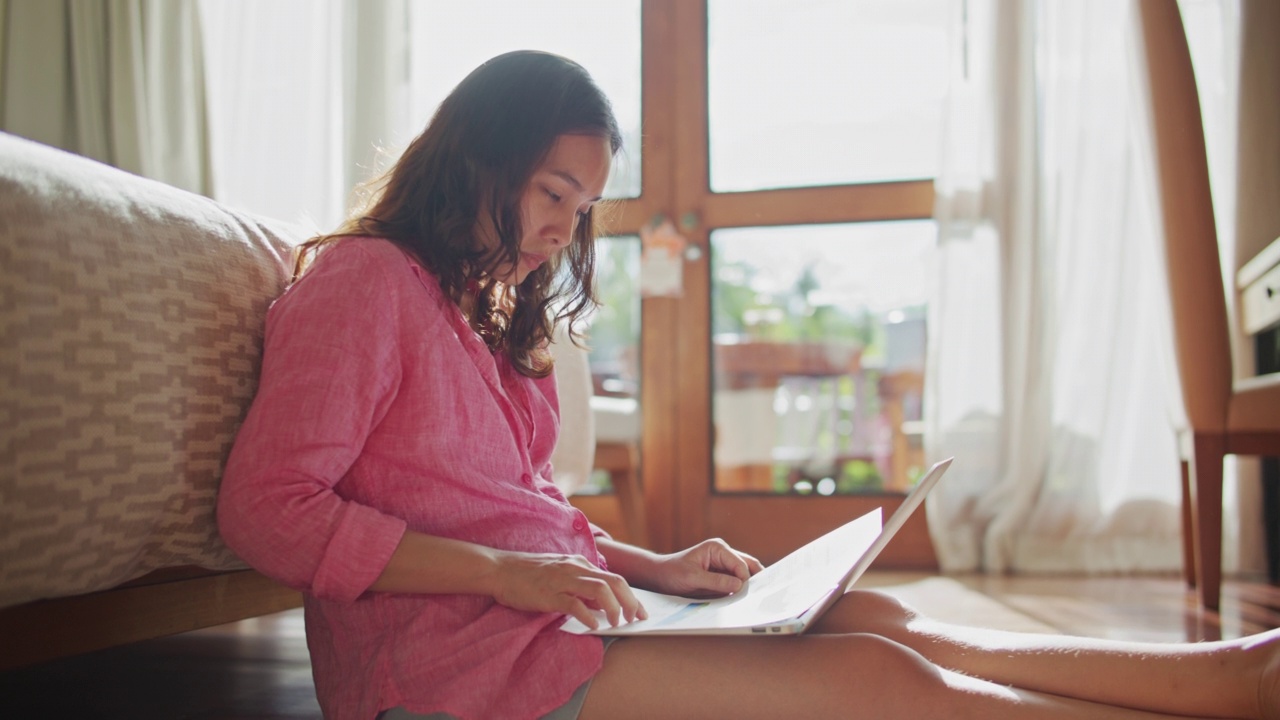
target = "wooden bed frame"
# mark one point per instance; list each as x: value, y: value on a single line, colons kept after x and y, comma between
x: 162, y: 603
x: 177, y: 600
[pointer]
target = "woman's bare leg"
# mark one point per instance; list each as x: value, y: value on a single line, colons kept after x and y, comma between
x: 812, y: 676
x: 1234, y: 678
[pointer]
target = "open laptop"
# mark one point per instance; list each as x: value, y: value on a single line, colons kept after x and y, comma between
x: 786, y: 597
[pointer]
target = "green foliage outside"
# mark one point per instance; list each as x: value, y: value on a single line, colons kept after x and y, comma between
x: 737, y: 309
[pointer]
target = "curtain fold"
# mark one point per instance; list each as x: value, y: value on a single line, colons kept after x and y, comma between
x: 377, y: 83
x: 308, y: 100
x: 1051, y: 373
x: 120, y: 81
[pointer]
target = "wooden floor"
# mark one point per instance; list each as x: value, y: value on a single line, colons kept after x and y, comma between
x: 258, y: 669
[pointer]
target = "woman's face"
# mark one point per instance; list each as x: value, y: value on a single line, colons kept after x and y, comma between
x: 568, y: 183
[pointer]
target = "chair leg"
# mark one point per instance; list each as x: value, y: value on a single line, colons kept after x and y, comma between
x: 625, y: 475
x: 1188, y: 528
x: 631, y: 500
x: 1207, y: 476
x: 621, y: 460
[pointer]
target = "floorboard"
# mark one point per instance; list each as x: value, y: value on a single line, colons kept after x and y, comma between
x: 258, y: 669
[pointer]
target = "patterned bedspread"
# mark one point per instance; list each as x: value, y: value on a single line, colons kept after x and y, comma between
x: 131, y: 314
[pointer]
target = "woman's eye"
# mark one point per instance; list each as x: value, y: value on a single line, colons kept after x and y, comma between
x: 554, y: 197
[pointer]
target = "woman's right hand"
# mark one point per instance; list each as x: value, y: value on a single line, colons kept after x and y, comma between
x: 569, y: 584
x: 535, y: 582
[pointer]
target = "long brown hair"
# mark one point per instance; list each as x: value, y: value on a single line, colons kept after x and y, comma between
x: 477, y: 154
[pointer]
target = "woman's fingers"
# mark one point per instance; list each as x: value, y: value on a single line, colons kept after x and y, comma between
x: 746, y: 562
x: 718, y: 583
x: 600, y: 595
x: 710, y: 568
x: 567, y: 584
x: 725, y: 559
x: 575, y: 608
x: 733, y: 562
x: 610, y: 594
x: 629, y: 605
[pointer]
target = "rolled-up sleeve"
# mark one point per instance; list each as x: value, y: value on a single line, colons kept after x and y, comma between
x: 331, y: 368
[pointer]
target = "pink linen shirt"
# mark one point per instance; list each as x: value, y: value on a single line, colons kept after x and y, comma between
x: 379, y: 409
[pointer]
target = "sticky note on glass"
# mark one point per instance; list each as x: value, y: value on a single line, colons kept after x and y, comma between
x: 661, y: 260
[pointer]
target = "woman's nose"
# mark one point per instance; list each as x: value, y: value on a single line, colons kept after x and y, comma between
x: 562, y: 233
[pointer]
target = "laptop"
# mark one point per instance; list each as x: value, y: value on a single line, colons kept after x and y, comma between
x: 785, y: 598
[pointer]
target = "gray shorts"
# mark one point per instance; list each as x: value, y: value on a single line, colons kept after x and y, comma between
x: 567, y: 711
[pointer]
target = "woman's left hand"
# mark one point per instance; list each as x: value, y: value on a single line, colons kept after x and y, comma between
x: 709, y: 569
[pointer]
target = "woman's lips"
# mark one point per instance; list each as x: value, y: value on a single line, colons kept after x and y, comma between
x: 533, y: 260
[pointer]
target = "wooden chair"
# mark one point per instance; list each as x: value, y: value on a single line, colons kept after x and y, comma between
x: 582, y: 449
x: 622, y: 461
x: 1224, y: 417
x: 907, y: 451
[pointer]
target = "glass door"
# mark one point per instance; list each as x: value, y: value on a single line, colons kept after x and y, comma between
x: 793, y: 145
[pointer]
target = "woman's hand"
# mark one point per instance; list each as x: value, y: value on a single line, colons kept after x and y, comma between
x: 535, y: 582
x: 569, y: 584
x: 709, y: 569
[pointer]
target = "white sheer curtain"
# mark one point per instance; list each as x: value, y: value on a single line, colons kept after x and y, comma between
x: 309, y: 98
x: 302, y: 95
x: 120, y: 81
x: 1052, y: 377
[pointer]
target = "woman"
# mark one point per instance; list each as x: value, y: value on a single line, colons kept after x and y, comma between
x: 394, y: 467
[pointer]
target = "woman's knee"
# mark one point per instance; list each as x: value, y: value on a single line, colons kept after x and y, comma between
x: 868, y: 611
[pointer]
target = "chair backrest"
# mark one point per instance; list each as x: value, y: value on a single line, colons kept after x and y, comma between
x: 1191, y: 241
x: 575, y: 451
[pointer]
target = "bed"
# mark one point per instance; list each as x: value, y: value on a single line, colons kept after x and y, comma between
x: 132, y: 316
